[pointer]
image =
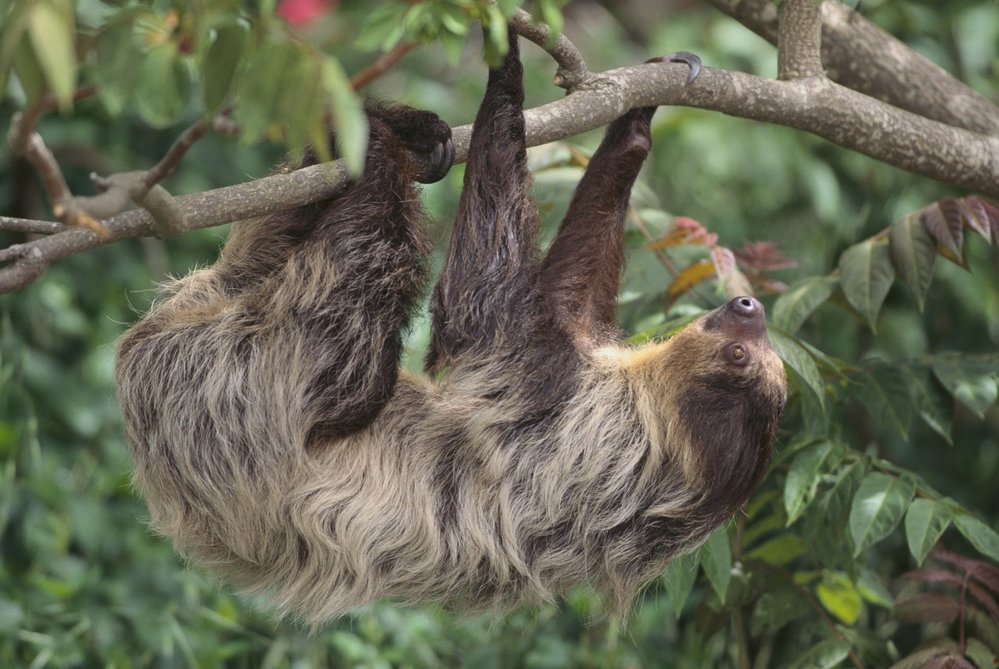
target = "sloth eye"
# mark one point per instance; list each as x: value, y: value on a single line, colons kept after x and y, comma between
x: 737, y: 354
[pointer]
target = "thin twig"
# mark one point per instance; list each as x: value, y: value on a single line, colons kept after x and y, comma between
x: 381, y: 65
x: 572, y: 71
x: 30, y: 226
x: 171, y: 159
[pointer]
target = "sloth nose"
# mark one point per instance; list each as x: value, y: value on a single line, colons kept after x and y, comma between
x: 746, y: 307
x: 740, y: 318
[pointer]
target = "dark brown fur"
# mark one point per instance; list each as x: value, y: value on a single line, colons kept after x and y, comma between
x: 276, y: 440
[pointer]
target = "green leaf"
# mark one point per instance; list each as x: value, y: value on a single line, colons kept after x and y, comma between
x: 120, y: 61
x: 886, y: 396
x: 51, y: 30
x: 779, y: 550
x: 878, y: 506
x: 220, y: 62
x: 866, y: 275
x: 913, y: 253
x: 931, y: 407
x: 716, y: 560
x: 28, y: 70
x: 793, y: 307
x: 776, y: 608
x: 925, y: 521
x: 383, y: 27
x: 163, y: 87
x: 800, y: 361
x: 838, y: 594
x: 804, y: 475
x: 823, y: 655
x: 873, y: 590
x: 348, y: 116
x: 262, y: 88
x: 972, y: 379
x: 680, y: 577
x: 982, y: 537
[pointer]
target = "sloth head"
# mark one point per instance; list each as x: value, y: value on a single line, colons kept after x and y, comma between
x: 717, y: 390
x: 729, y: 398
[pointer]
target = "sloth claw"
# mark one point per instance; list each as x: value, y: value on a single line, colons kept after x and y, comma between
x: 440, y: 162
x: 693, y: 61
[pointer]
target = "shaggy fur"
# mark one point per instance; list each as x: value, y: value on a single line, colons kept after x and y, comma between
x: 275, y: 439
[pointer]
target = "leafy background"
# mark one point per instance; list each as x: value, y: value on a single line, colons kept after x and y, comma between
x: 884, y: 307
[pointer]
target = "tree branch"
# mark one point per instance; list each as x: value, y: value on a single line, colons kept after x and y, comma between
x: 799, y: 40
x: 814, y: 104
x: 859, y: 55
x: 572, y: 71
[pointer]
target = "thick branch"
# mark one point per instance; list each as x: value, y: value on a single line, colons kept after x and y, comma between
x: 799, y: 40
x: 861, y: 56
x: 817, y: 105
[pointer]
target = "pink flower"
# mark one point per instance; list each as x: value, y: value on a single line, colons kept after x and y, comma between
x: 300, y: 12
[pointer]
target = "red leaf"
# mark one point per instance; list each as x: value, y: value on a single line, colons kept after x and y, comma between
x: 949, y: 661
x: 934, y: 576
x: 685, y: 231
x: 976, y: 216
x: 927, y: 608
x: 945, y: 224
x: 763, y: 256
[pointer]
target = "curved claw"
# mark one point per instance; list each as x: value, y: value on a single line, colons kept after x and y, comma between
x: 692, y: 61
x: 440, y: 162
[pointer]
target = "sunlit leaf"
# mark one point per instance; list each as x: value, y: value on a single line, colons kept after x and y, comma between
x: 839, y: 596
x: 913, y: 253
x: 793, y: 307
x: 877, y: 508
x: 925, y: 522
x: 866, y: 275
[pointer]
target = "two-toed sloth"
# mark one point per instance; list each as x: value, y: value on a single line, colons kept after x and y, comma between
x: 276, y: 440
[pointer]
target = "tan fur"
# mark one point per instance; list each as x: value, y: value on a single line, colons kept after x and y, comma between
x: 325, y: 530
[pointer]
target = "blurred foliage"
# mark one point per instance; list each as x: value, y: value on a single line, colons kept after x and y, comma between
x: 889, y: 448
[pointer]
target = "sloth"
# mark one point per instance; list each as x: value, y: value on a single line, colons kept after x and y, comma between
x: 277, y: 442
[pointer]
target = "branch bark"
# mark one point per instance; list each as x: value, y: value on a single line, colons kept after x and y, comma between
x: 814, y: 103
x: 859, y: 55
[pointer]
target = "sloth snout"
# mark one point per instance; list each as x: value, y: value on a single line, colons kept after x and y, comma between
x: 745, y: 306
